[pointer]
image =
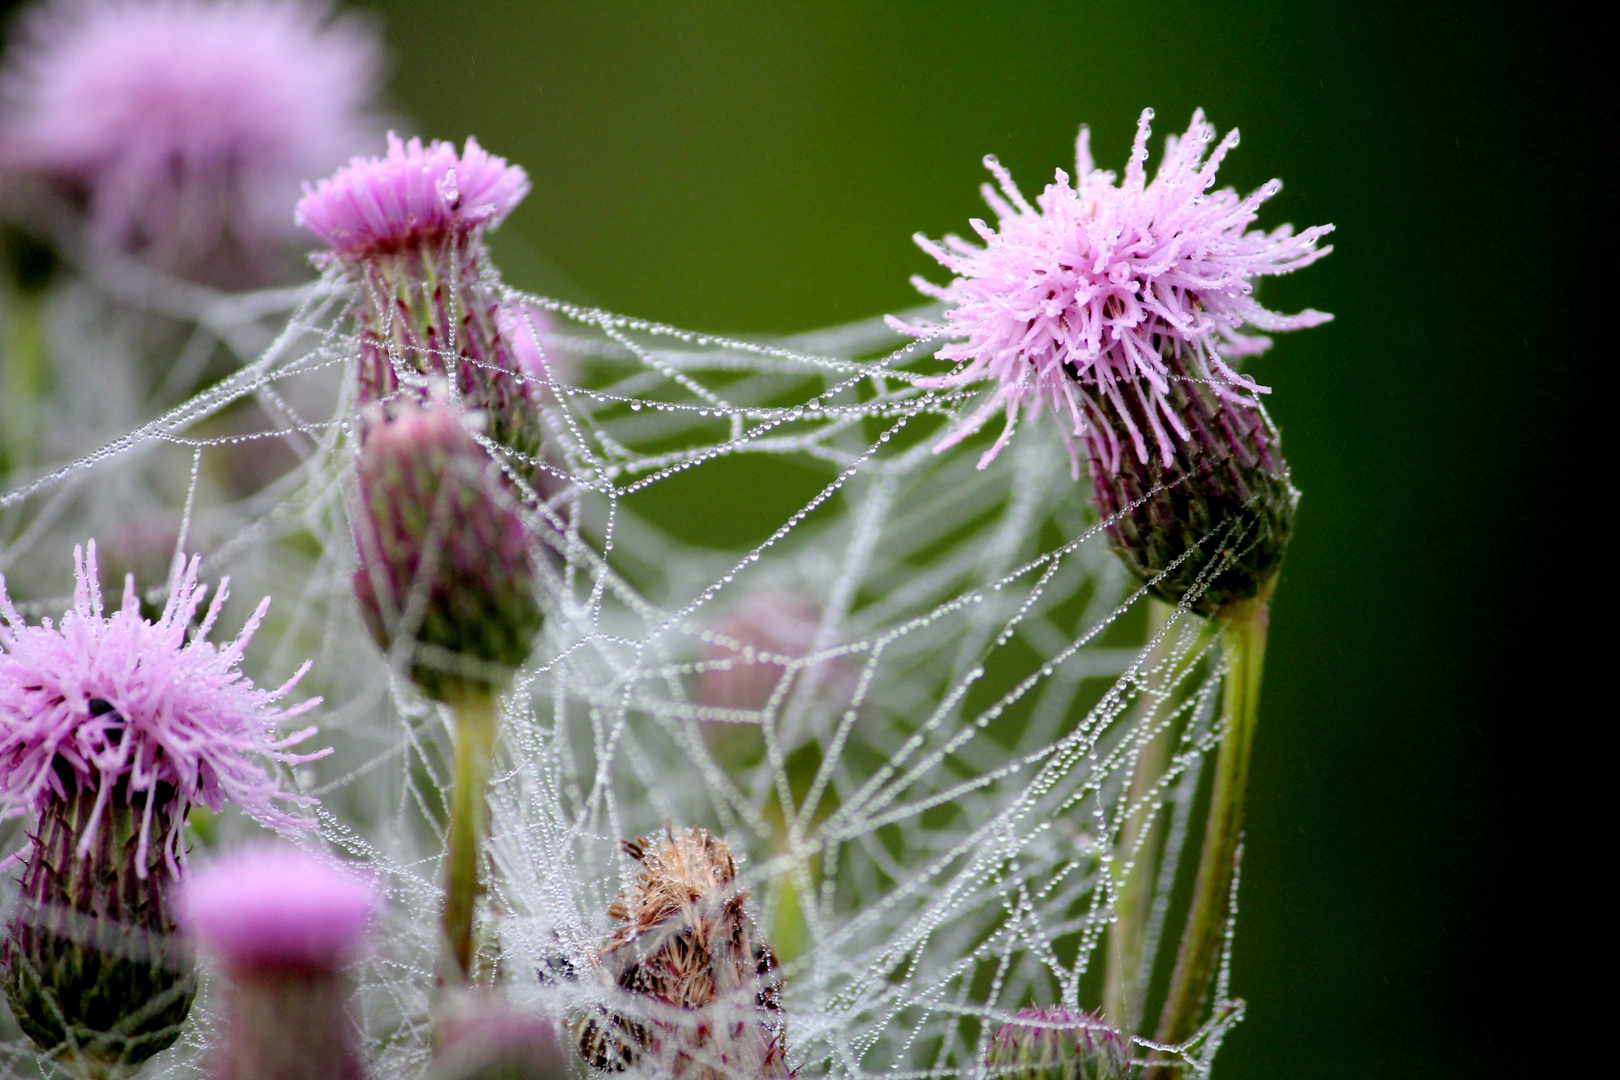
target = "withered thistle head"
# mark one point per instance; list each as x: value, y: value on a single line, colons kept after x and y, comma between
x: 1057, y: 1044
x: 445, y: 568
x: 697, y: 986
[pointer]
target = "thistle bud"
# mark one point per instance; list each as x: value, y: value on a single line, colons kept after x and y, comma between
x: 408, y: 228
x: 285, y: 924
x: 444, y: 558
x: 686, y: 951
x: 1056, y: 1044
x: 1118, y: 307
x: 111, y: 729
x: 487, y: 1040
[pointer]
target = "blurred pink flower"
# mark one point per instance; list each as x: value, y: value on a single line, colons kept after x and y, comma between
x: 273, y: 906
x: 1093, y: 284
x: 753, y: 645
x: 186, y: 125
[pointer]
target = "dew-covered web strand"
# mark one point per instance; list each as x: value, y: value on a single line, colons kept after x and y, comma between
x: 941, y: 824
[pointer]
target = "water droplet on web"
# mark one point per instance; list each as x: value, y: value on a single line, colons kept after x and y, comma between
x: 635, y: 406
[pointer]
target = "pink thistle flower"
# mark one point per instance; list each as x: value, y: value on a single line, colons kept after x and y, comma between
x: 408, y: 229
x: 285, y: 922
x: 111, y: 729
x: 184, y: 126
x: 412, y: 194
x: 1089, y: 288
x: 276, y: 907
x: 129, y: 710
x: 531, y: 331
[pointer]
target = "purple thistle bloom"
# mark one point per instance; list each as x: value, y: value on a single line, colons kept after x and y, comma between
x: 412, y: 195
x: 1095, y: 283
x: 274, y: 907
x: 444, y: 557
x: 111, y: 729
x: 285, y: 923
x: 1058, y: 1044
x: 124, y: 708
x: 184, y: 126
x: 408, y: 228
x: 1119, y: 307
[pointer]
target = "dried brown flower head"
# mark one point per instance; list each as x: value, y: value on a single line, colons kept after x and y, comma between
x: 685, y: 945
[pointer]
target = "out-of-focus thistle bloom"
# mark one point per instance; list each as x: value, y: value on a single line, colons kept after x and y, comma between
x: 408, y: 227
x: 488, y: 1040
x: 1120, y: 308
x: 445, y: 566
x: 183, y: 127
x: 1057, y: 1044
x: 697, y: 989
x: 111, y: 729
x: 747, y: 660
x: 753, y: 645
x: 285, y: 924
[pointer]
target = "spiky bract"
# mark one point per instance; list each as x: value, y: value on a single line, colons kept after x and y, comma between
x: 1058, y: 1044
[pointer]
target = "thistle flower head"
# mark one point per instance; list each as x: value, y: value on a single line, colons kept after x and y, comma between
x: 185, y: 125
x: 445, y: 567
x: 1093, y: 285
x: 684, y: 944
x: 139, y: 711
x: 277, y: 908
x: 413, y: 193
x: 1058, y: 1044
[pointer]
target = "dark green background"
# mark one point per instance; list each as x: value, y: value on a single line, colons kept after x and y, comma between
x: 761, y: 167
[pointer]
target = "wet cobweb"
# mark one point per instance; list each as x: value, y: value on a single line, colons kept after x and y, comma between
x: 910, y: 694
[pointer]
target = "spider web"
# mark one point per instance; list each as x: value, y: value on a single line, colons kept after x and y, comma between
x: 928, y: 803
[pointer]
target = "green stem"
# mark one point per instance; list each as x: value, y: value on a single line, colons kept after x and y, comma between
x: 22, y: 380
x: 1135, y: 857
x: 475, y: 742
x: 1243, y: 641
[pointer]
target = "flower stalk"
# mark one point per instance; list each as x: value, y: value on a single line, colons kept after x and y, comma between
x: 475, y: 720
x: 1142, y: 834
x: 1243, y: 643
